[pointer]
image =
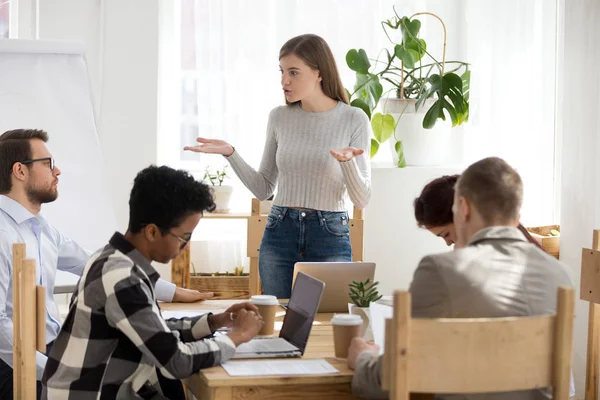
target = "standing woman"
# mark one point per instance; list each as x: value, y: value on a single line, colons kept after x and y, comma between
x: 315, y: 154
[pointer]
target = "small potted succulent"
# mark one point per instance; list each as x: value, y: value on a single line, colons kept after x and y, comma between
x: 362, y: 295
x: 221, y: 193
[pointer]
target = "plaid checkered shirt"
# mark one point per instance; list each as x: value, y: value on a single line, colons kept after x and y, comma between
x: 114, y: 336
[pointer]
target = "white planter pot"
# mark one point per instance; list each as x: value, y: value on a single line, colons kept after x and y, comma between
x: 422, y: 147
x: 221, y: 196
x: 265, y: 206
x: 364, y: 313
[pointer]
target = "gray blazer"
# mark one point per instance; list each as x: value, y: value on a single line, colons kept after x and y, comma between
x: 498, y: 274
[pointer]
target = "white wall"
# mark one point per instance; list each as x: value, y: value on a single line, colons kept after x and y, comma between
x: 122, y: 54
x: 392, y: 239
x: 579, y: 104
x: 122, y: 45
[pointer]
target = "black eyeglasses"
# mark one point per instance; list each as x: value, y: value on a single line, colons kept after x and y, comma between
x: 50, y: 159
x: 184, y: 241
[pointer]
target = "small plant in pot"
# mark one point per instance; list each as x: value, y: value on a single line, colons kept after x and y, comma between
x: 362, y: 295
x: 423, y: 87
x: 221, y: 193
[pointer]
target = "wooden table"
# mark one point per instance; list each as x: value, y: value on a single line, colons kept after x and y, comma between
x: 215, y: 384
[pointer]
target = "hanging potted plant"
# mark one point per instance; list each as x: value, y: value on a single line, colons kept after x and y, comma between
x: 362, y: 295
x: 221, y: 193
x: 425, y: 88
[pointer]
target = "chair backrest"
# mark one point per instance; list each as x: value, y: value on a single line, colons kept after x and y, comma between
x: 477, y: 355
x: 590, y: 279
x: 29, y: 323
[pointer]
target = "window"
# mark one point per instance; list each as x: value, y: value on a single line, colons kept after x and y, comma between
x: 4, y: 18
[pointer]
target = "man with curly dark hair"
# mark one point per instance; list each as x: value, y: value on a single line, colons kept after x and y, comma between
x: 114, y: 342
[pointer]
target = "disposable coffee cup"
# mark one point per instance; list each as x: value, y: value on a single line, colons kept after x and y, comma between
x: 345, y: 328
x: 267, y: 307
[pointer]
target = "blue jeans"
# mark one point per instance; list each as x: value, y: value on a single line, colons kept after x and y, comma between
x: 293, y: 236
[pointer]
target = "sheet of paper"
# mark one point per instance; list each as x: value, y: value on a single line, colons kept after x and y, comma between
x: 379, y: 313
x: 181, y: 313
x: 279, y: 367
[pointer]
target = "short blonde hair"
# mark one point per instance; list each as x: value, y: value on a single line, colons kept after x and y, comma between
x: 494, y: 187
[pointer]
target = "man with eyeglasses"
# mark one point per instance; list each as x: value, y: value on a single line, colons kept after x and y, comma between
x: 28, y: 179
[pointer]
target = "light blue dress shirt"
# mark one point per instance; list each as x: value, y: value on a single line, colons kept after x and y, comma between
x: 52, y: 251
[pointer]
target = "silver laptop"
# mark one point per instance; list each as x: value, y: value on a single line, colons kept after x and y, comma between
x: 337, y: 276
x: 297, y: 323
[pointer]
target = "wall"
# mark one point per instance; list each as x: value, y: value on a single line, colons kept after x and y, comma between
x: 122, y: 42
x: 122, y: 56
x: 579, y: 104
x: 392, y: 239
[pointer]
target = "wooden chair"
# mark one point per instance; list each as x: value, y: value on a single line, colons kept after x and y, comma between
x: 478, y: 355
x: 590, y: 279
x: 29, y: 323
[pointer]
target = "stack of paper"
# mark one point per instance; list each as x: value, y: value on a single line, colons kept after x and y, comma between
x: 379, y: 313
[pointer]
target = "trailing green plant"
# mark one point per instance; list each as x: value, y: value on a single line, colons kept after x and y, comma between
x: 409, y: 77
x: 364, y: 293
x: 215, y: 178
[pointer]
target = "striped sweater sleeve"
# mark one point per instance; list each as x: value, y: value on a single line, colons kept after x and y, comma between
x: 262, y: 182
x: 357, y: 172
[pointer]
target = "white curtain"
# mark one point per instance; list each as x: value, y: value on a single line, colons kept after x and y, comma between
x: 512, y: 48
x: 229, y: 78
x: 579, y: 105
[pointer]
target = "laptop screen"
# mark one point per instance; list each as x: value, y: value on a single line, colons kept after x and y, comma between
x: 301, y: 310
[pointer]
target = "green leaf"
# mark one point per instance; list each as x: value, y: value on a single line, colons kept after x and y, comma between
x: 451, y: 111
x: 452, y: 81
x: 418, y: 47
x: 407, y: 56
x: 436, y: 82
x: 400, y: 151
x: 348, y: 94
x: 369, y: 89
x: 433, y: 114
x: 358, y: 61
x: 466, y: 84
x: 374, y: 147
x: 359, y: 103
x: 409, y: 28
x: 449, y: 90
x: 383, y: 126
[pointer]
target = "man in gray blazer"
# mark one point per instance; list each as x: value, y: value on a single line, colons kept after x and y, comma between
x: 494, y: 272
